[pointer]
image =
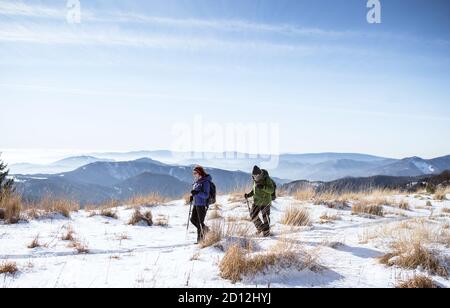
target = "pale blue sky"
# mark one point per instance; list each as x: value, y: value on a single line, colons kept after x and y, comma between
x: 131, y: 70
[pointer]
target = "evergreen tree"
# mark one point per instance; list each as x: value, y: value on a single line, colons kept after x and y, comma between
x: 5, y: 183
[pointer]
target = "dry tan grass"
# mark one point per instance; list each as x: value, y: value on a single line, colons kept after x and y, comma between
x: 49, y: 206
x: 80, y: 247
x: 111, y: 204
x: 403, y: 205
x: 110, y: 213
x: 214, y: 214
x: 417, y: 282
x: 187, y: 198
x: 105, y: 212
x: 411, y: 256
x: 8, y: 268
x: 214, y: 236
x: 219, y: 230
x: 415, y: 230
x: 307, y: 194
x: 234, y: 264
x: 162, y: 221
x: 329, y: 218
x: 69, y: 235
x: 366, y: 207
x: 296, y: 216
x: 146, y: 201
x: 12, y: 205
x: 374, y: 195
x: 237, y: 197
x: 237, y: 263
x: 138, y: 217
x: 441, y: 194
x: 445, y: 210
x: 35, y: 243
x: 237, y: 229
x: 238, y: 218
x: 195, y: 256
x: 237, y: 194
x: 122, y: 237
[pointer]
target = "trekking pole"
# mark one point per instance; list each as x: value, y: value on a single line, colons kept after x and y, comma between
x: 189, y: 218
x: 248, y: 206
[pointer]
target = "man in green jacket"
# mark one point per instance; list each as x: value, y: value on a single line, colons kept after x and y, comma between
x: 263, y: 190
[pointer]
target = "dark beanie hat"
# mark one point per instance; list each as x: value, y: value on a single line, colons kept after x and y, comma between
x: 256, y: 171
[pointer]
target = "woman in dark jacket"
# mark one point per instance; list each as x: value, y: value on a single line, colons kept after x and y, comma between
x: 200, y: 195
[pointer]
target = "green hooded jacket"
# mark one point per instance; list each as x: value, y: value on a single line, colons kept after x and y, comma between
x: 263, y: 190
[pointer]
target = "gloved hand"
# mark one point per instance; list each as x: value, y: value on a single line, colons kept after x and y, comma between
x: 191, y: 199
x: 246, y: 196
x: 194, y: 192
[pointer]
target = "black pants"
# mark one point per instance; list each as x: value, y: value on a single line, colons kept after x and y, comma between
x: 198, y: 220
x: 265, y: 211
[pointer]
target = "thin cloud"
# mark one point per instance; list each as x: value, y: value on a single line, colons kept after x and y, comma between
x: 224, y: 25
x: 16, y: 8
x: 64, y: 35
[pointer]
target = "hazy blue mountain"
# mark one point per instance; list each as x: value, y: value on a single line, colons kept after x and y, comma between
x: 148, y: 183
x: 414, y: 166
x: 64, y: 165
x: 102, y: 181
x: 357, y: 184
x: 316, y: 158
x: 57, y: 187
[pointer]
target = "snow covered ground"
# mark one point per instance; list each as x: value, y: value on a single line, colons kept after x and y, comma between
x: 121, y: 255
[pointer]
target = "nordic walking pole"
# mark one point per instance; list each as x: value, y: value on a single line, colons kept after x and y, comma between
x: 248, y: 206
x: 189, y: 218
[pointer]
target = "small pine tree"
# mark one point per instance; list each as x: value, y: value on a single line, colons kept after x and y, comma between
x: 5, y: 183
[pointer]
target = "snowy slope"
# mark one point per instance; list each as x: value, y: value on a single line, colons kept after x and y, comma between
x: 121, y: 255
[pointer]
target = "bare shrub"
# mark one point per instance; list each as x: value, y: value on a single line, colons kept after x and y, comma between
x: 138, y: 217
x: 412, y: 256
x: 213, y: 236
x: 81, y: 248
x: 162, y: 221
x: 69, y: 235
x: 328, y: 217
x: 236, y: 263
x: 364, y: 207
x: 8, y: 268
x: 35, y: 243
x: 403, y: 205
x: 296, y: 216
x: 12, y: 206
x: 440, y: 194
x: 417, y: 282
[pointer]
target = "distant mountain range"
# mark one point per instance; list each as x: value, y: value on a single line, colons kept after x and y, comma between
x: 409, y: 183
x: 101, y: 181
x: 64, y: 165
x: 94, y: 179
x: 311, y: 167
